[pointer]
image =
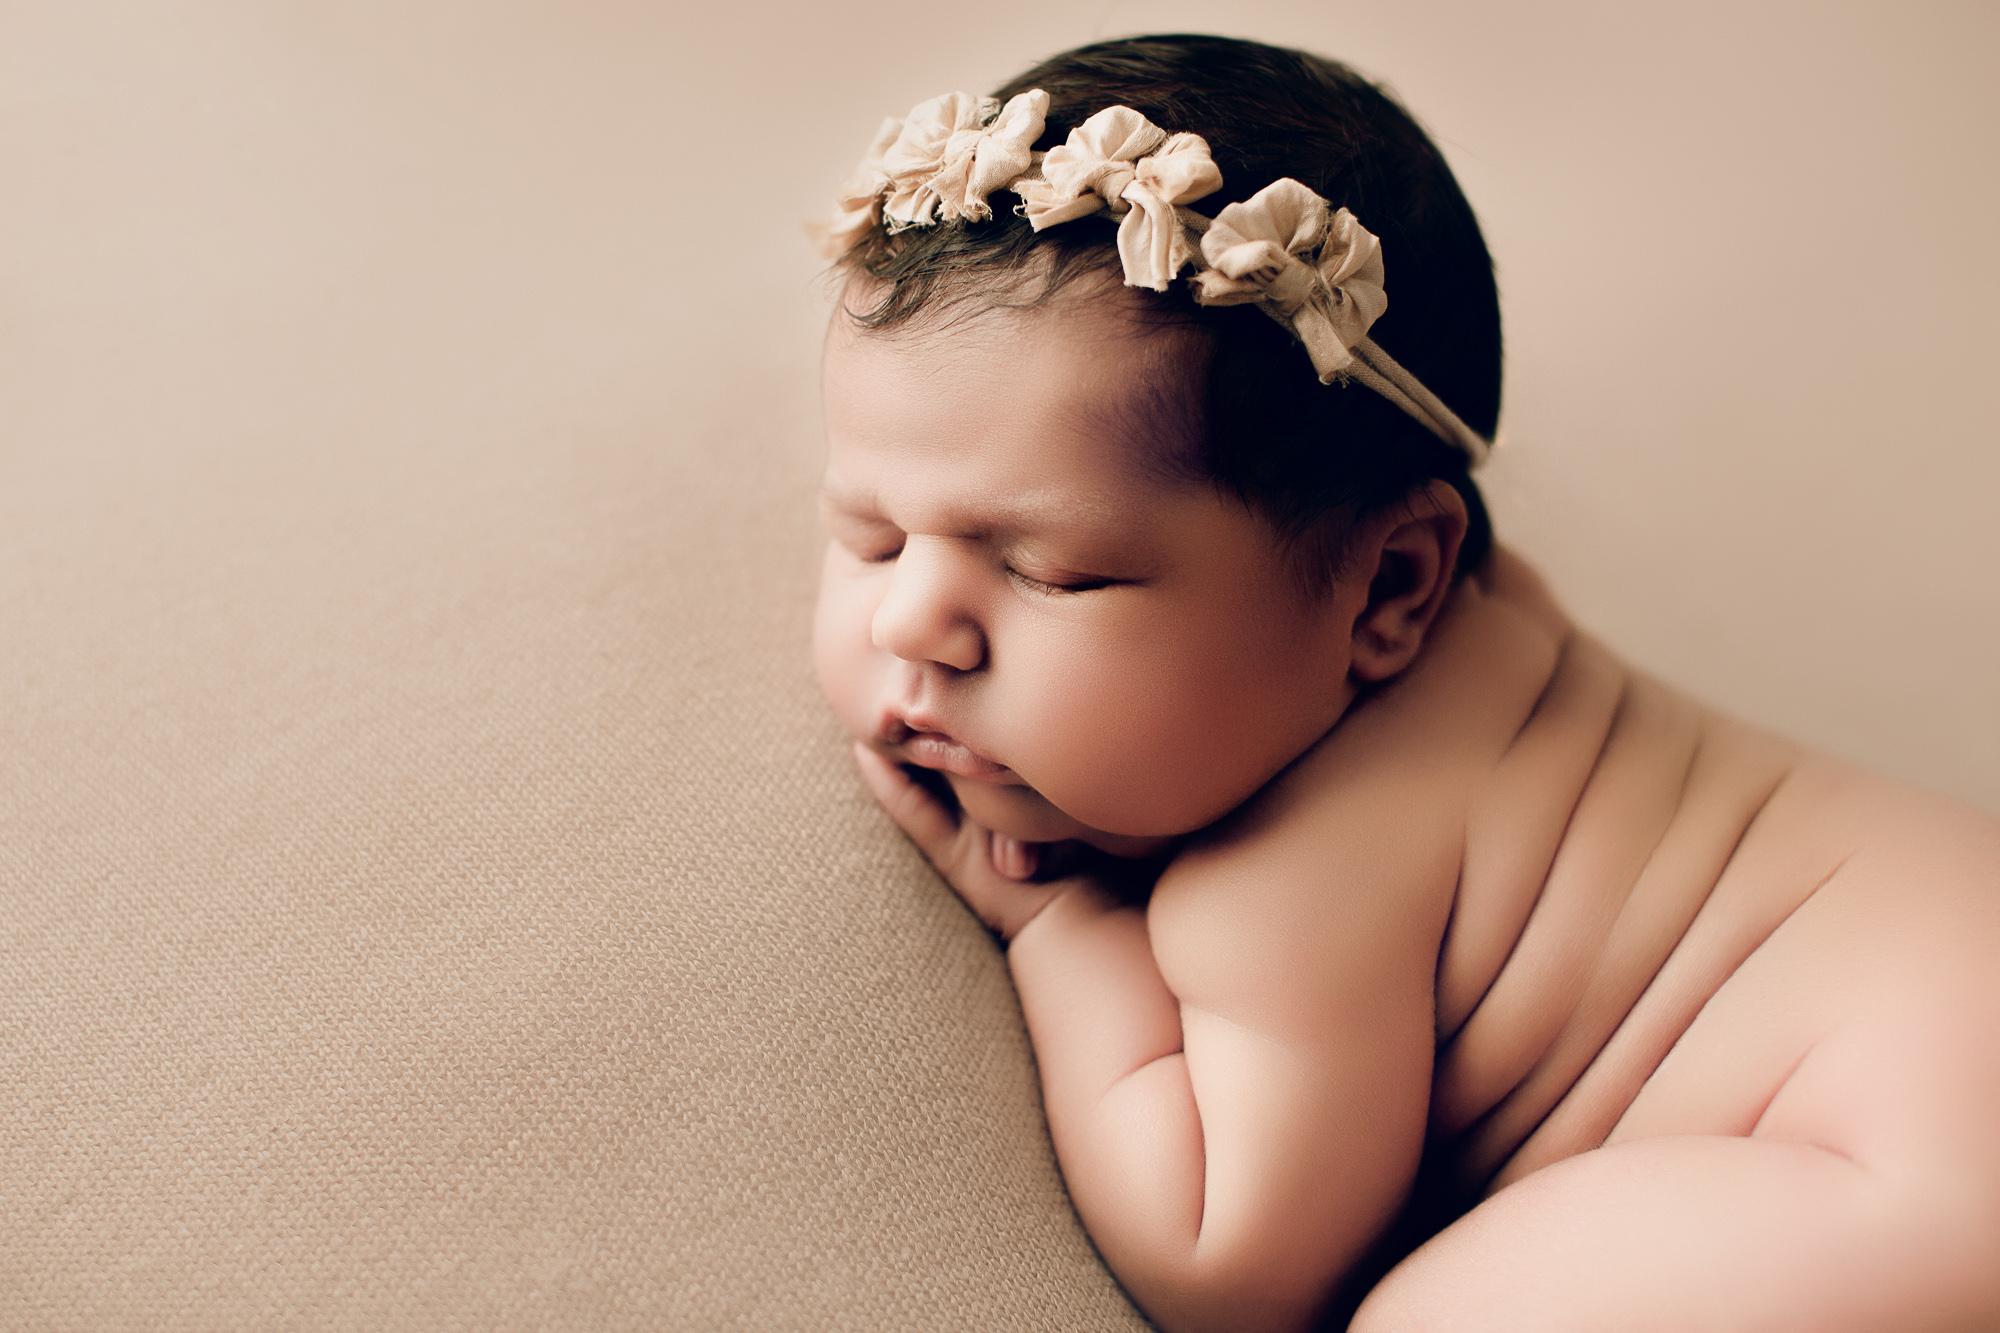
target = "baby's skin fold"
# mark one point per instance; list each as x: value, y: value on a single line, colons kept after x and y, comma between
x: 1704, y: 1028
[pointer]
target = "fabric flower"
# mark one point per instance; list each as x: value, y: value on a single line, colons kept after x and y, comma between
x: 954, y: 151
x: 940, y: 162
x: 977, y: 164
x: 1122, y: 164
x: 857, y: 204
x: 1262, y: 249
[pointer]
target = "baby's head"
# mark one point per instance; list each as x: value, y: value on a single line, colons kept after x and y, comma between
x: 1109, y: 558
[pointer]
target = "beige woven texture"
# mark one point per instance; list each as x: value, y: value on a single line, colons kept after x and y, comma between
x: 435, y: 896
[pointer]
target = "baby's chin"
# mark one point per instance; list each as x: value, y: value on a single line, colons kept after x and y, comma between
x: 1025, y: 814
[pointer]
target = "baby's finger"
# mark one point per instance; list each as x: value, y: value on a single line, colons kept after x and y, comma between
x: 919, y: 814
x: 987, y: 870
x: 1013, y: 858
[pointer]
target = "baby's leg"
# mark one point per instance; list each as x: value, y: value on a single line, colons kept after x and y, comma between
x: 1696, y: 1234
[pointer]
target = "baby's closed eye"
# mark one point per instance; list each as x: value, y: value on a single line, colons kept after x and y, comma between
x: 1055, y: 583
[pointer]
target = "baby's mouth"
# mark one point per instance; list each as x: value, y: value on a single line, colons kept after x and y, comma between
x: 939, y: 750
x: 932, y: 749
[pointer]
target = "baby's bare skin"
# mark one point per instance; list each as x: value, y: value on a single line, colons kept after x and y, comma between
x: 1744, y: 996
x: 1708, y: 1018
x: 1765, y: 983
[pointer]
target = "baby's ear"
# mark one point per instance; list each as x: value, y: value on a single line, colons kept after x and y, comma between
x: 1408, y: 556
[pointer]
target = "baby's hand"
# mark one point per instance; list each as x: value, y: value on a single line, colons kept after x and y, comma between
x: 989, y: 870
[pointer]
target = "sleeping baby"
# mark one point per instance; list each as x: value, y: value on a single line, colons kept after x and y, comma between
x: 1391, y: 951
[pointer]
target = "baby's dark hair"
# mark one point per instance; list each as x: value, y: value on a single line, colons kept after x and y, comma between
x: 1313, y: 458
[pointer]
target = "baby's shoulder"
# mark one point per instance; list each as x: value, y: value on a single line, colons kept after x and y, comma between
x: 1409, y: 757
x: 1368, y: 824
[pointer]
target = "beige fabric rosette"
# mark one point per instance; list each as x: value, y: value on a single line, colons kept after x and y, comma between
x: 857, y: 204
x: 956, y: 150
x: 1122, y: 164
x: 939, y: 163
x: 1320, y: 272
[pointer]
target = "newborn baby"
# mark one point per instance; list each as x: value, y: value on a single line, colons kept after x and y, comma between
x: 1470, y: 954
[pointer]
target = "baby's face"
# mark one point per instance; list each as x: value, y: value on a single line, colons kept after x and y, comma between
x: 1086, y: 646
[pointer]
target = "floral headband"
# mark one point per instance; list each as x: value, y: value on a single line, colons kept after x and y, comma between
x: 1314, y: 269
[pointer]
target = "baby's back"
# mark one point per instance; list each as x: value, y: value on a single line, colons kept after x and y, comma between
x: 1659, y: 910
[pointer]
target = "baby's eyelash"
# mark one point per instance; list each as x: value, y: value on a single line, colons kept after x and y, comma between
x: 1043, y: 585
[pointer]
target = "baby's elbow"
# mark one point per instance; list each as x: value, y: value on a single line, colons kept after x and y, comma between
x: 1234, y: 1293
x: 1227, y: 1308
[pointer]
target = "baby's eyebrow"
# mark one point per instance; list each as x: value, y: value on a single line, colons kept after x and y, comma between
x: 1032, y: 511
x: 847, y: 499
x: 1040, y: 511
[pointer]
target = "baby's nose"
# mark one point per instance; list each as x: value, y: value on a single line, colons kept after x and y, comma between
x: 926, y: 616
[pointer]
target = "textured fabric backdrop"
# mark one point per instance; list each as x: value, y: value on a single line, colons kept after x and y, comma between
x: 434, y: 894
x: 422, y: 913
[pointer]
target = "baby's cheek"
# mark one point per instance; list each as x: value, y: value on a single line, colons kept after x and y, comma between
x: 1164, y: 747
x: 1110, y: 746
x: 844, y: 654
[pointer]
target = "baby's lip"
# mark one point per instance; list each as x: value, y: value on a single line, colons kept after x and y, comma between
x: 927, y: 747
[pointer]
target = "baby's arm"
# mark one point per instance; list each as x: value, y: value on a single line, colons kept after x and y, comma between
x: 1236, y: 1077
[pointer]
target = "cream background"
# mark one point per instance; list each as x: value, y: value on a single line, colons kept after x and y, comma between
x: 433, y: 895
